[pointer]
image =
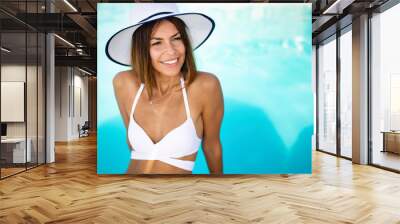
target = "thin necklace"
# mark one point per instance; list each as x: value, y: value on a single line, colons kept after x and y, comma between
x: 151, y: 101
x: 167, y: 95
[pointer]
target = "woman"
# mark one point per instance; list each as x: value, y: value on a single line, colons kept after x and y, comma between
x: 168, y: 107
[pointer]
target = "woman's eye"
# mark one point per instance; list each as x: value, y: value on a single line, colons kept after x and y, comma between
x: 155, y: 43
x: 177, y: 38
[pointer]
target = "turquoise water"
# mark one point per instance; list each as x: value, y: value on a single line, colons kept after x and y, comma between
x: 261, y: 54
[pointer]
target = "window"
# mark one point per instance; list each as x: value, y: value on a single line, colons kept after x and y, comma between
x: 327, y: 96
x: 385, y: 89
x: 346, y: 93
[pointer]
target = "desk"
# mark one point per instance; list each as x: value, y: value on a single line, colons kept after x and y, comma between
x: 16, y: 147
x: 391, y: 141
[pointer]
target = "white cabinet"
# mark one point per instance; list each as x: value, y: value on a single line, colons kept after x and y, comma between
x: 18, y: 149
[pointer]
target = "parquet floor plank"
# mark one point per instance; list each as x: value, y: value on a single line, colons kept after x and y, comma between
x: 70, y: 191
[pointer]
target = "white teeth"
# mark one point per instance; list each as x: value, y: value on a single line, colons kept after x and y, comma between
x: 170, y: 62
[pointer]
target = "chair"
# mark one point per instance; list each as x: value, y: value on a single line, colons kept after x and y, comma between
x: 84, y: 130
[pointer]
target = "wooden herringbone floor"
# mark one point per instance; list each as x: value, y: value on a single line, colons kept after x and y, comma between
x: 70, y: 191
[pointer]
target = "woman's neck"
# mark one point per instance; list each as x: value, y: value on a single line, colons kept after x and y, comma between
x: 166, y: 84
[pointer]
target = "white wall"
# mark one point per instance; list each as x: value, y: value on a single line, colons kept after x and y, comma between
x: 81, y: 103
x: 33, y: 127
x: 314, y: 89
x: 62, y: 81
x: 14, y: 73
x: 71, y: 94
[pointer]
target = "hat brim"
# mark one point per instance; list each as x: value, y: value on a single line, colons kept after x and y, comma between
x: 200, y: 27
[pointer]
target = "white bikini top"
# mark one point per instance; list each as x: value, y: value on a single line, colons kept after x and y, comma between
x: 180, y: 141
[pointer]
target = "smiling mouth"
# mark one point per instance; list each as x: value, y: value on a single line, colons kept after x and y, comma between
x: 170, y: 62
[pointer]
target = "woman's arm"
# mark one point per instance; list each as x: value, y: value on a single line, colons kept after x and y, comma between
x: 213, y: 111
x: 119, y: 84
x: 124, y: 86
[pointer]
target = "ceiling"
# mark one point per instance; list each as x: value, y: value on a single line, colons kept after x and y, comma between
x: 75, y: 21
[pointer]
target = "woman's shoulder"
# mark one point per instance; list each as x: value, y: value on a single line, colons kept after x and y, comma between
x: 128, y: 79
x: 206, y: 81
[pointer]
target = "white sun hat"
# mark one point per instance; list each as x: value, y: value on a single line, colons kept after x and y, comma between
x: 199, y: 28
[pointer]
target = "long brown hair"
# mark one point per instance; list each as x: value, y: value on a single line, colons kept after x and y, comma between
x: 141, y: 54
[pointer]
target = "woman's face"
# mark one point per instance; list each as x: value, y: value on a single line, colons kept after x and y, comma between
x: 167, y: 51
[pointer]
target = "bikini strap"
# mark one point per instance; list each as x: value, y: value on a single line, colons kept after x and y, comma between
x: 135, y: 101
x: 185, y: 99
